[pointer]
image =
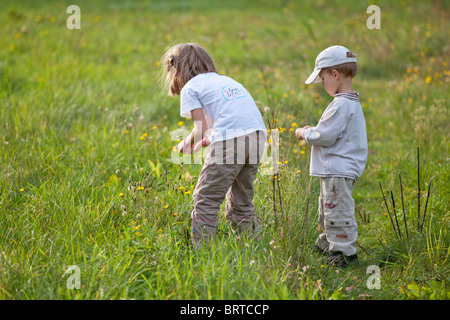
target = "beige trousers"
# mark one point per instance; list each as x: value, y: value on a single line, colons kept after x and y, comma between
x: 228, y: 173
x: 337, y: 216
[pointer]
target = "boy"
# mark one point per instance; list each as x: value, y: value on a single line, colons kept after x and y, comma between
x: 338, y: 154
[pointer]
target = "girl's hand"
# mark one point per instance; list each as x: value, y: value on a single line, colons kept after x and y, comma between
x: 200, y: 127
x: 202, y: 144
x: 299, y: 132
x: 183, y: 147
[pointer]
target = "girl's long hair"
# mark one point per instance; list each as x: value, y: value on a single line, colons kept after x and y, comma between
x: 181, y: 63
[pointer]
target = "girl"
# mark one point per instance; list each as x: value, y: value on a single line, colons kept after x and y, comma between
x: 236, y: 132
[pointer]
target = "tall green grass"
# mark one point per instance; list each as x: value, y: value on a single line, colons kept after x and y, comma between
x: 85, y: 176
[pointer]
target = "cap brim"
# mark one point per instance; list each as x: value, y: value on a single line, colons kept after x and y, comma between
x: 314, y: 77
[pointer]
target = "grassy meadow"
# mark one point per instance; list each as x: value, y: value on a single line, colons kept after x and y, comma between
x: 86, y: 142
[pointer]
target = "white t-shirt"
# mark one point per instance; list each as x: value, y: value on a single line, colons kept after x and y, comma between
x: 229, y: 109
x: 339, y: 141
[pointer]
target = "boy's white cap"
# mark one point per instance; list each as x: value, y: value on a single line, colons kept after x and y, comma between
x: 330, y: 57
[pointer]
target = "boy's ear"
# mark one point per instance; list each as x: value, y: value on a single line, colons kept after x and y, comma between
x: 335, y: 74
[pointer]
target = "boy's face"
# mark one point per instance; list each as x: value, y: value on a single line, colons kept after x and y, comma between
x: 330, y: 81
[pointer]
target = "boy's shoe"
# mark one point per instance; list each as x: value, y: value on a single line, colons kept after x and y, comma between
x: 338, y: 259
x: 319, y: 249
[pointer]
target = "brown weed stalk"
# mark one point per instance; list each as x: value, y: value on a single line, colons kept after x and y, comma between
x: 270, y: 116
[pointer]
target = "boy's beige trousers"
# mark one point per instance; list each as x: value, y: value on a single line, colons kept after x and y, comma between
x: 337, y: 216
x: 228, y: 172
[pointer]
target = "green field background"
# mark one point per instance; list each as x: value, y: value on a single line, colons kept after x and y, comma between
x: 85, y: 148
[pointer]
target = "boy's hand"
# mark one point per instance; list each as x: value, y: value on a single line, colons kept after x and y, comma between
x: 299, y: 132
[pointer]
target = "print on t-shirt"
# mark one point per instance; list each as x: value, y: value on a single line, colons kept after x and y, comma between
x: 233, y: 92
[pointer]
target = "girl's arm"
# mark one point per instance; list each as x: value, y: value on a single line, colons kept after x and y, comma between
x: 196, y: 135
